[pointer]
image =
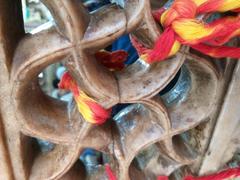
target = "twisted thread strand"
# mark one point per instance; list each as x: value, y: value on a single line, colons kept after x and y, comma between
x: 182, y: 26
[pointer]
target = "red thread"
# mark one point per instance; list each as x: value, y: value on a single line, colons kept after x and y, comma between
x: 162, y: 46
x: 138, y: 46
x: 217, y: 51
x: 109, y: 172
x: 68, y: 83
x: 100, y: 115
x: 228, y: 25
x: 184, y: 12
x: 158, y: 13
x: 209, y: 6
x: 230, y: 173
x: 237, y: 10
x: 223, y: 31
x: 180, y: 9
x: 162, y: 178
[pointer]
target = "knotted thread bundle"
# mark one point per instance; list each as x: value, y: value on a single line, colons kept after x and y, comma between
x: 91, y: 111
x: 183, y: 26
x: 223, y: 175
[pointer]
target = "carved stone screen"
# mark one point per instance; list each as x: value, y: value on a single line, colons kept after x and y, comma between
x: 162, y: 131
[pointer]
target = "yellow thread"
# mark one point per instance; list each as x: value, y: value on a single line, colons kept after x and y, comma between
x: 83, y: 108
x: 236, y: 33
x: 199, y: 2
x: 174, y: 14
x: 163, y: 17
x: 228, y: 5
x: 144, y: 57
x: 190, y: 29
x: 175, y: 48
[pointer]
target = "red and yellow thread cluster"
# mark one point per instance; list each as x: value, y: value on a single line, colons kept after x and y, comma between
x: 91, y: 111
x: 228, y: 174
x: 182, y: 25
